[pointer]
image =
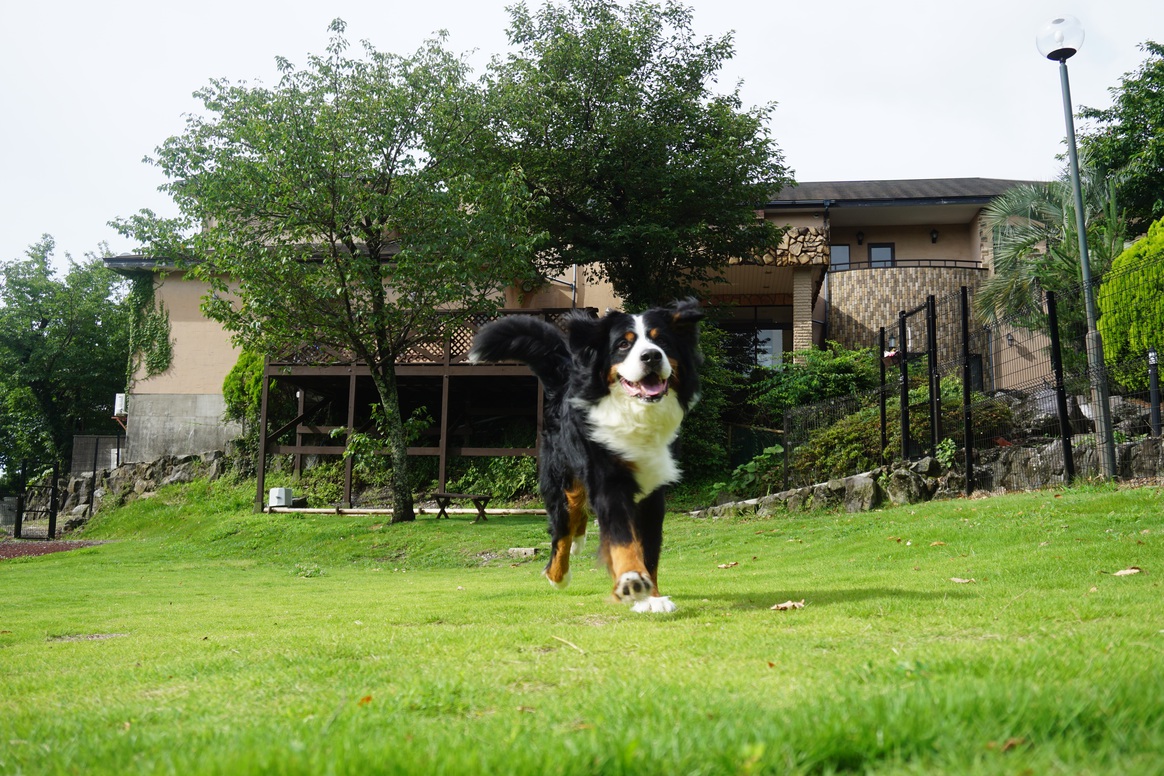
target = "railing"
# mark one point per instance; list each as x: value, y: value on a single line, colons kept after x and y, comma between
x: 450, y: 346
x: 901, y: 263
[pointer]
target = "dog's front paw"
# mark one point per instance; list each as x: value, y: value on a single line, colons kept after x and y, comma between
x: 656, y: 603
x: 578, y: 546
x: 633, y: 587
x: 561, y: 584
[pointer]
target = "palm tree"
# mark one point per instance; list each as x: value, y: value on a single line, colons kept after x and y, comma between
x: 1036, y: 245
x: 1036, y: 249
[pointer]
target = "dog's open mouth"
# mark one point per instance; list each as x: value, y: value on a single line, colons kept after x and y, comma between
x: 650, y: 389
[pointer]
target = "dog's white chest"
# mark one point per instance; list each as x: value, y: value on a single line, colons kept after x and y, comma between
x: 641, y: 434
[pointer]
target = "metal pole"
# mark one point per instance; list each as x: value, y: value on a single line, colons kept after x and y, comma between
x: 903, y: 355
x: 1098, y: 374
x: 967, y: 426
x: 935, y: 375
x: 884, y: 429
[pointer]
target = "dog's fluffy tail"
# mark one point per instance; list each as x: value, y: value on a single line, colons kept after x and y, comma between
x: 529, y: 340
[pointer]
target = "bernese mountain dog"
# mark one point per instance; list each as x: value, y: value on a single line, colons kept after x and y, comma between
x: 616, y: 389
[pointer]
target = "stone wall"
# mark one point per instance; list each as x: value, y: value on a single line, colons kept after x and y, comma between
x: 80, y: 497
x: 1013, y: 468
x: 801, y: 246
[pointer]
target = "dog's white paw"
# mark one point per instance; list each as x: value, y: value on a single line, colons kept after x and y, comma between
x: 632, y: 587
x: 558, y: 585
x: 656, y: 603
x: 579, y: 545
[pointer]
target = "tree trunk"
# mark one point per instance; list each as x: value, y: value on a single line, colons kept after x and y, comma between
x: 384, y: 376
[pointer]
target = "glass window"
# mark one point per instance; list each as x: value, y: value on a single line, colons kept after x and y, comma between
x: 769, y: 347
x: 839, y: 257
x: 881, y: 254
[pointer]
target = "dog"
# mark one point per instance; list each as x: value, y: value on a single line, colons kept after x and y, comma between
x: 616, y: 390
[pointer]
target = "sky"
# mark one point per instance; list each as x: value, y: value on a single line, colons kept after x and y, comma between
x: 864, y: 90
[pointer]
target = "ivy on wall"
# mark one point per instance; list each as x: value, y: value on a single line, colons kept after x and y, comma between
x: 151, y: 351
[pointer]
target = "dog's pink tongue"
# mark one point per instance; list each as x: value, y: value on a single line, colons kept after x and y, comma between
x: 653, y: 385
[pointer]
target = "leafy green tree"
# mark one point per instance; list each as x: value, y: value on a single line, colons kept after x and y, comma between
x: 641, y: 172
x: 344, y: 209
x: 1131, y: 308
x: 1036, y: 249
x: 63, y: 348
x: 1127, y: 139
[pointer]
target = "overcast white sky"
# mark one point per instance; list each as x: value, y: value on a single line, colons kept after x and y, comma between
x: 885, y: 90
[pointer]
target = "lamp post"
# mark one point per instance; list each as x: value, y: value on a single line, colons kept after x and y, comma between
x: 1058, y: 41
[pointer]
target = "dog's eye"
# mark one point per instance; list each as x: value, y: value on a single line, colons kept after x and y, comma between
x: 624, y: 344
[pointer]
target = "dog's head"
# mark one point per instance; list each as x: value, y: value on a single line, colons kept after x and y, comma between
x: 646, y: 355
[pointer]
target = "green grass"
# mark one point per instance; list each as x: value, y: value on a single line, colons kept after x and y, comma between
x: 205, y: 639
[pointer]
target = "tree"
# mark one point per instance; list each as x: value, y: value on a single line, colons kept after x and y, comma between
x: 642, y: 174
x: 1131, y: 308
x: 1127, y: 139
x: 63, y: 349
x: 345, y: 209
x: 1036, y: 249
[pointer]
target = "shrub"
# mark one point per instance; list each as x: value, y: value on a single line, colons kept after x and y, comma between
x: 1131, y: 308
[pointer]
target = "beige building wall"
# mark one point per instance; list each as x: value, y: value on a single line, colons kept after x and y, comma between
x: 203, y: 353
x: 180, y: 411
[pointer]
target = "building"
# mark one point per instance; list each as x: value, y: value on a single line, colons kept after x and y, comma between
x: 853, y: 255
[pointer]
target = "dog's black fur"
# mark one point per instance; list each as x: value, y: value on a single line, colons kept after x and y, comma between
x: 616, y: 389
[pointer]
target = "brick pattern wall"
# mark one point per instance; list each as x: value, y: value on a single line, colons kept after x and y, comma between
x: 862, y: 301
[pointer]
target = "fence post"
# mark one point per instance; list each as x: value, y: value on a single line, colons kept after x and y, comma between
x: 787, y: 450
x: 935, y: 376
x: 1060, y: 389
x: 903, y: 350
x: 967, y: 426
x: 18, y: 526
x: 54, y: 496
x: 881, y: 365
x: 1154, y: 390
x: 93, y: 479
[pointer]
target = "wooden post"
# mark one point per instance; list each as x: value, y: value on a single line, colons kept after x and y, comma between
x: 261, y: 453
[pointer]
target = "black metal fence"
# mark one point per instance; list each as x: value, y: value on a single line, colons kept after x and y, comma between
x: 1013, y: 397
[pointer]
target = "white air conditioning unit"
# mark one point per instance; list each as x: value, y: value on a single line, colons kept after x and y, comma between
x: 119, y: 404
x: 279, y: 497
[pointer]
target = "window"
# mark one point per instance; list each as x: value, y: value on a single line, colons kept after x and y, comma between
x: 839, y: 257
x: 769, y: 347
x: 881, y: 254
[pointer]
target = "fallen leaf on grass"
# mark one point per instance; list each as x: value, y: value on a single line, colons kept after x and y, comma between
x: 937, y: 544
x: 961, y: 581
x: 771, y: 664
x: 729, y: 565
x: 365, y: 700
x: 527, y: 709
x: 1125, y: 572
x: 789, y: 605
x: 1006, y: 746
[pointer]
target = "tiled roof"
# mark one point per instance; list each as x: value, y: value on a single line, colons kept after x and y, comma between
x: 918, y: 189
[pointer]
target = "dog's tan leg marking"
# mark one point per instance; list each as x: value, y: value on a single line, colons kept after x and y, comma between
x: 631, y: 581
x: 576, y: 499
x: 558, y: 570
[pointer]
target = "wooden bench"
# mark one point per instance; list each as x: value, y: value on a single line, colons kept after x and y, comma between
x: 444, y: 499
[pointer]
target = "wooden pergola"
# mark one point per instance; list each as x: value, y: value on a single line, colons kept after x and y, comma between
x: 436, y: 377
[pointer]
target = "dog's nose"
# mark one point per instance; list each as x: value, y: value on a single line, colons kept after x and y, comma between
x: 652, y: 357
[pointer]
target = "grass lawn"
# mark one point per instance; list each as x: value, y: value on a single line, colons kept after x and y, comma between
x: 202, y: 638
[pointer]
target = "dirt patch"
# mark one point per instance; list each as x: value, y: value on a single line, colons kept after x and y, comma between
x: 20, y: 548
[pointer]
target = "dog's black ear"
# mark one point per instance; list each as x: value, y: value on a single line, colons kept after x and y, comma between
x: 586, y: 334
x: 686, y: 313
